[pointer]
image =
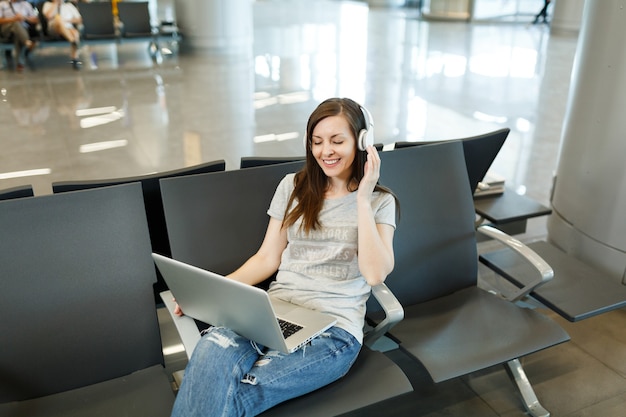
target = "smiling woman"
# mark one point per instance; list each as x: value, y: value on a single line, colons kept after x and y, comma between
x: 330, y: 237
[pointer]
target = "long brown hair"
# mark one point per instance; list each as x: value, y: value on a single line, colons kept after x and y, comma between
x: 310, y: 183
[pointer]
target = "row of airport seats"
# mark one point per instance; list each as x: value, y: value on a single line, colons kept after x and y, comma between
x: 430, y: 311
x: 480, y: 150
x: 99, y: 26
x: 136, y: 24
x: 441, y: 304
x: 151, y: 195
x: 79, y: 257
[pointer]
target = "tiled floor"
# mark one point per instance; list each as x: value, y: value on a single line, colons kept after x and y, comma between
x: 125, y: 115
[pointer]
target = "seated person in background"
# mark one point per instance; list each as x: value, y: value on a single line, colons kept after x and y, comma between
x: 19, y: 20
x: 62, y: 20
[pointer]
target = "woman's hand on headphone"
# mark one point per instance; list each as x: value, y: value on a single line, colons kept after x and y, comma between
x: 371, y: 172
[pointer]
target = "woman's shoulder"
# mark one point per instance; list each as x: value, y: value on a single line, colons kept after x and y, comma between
x: 288, y: 180
x: 382, y: 195
x: 383, y: 200
x: 286, y: 184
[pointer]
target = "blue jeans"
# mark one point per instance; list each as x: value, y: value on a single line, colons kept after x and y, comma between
x: 228, y: 375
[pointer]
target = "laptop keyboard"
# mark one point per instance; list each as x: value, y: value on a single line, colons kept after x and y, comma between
x: 288, y: 328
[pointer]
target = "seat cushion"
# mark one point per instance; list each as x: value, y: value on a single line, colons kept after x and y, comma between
x: 372, y: 378
x: 470, y: 330
x: 145, y: 393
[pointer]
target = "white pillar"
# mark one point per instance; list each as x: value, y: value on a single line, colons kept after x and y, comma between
x: 223, y: 26
x: 589, y: 196
x: 566, y: 16
x: 447, y: 10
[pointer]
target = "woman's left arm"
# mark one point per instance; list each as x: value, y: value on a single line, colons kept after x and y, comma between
x: 375, y: 241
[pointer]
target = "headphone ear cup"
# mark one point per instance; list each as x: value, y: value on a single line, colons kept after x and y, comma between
x: 365, y: 139
x: 362, y: 140
x: 366, y: 136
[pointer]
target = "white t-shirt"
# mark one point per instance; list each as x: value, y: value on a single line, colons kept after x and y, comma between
x: 8, y: 9
x: 320, y: 270
x: 68, y: 12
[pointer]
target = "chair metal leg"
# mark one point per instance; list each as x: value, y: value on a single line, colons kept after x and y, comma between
x: 517, y: 374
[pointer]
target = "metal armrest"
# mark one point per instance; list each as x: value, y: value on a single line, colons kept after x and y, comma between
x: 393, y: 313
x: 186, y: 326
x: 546, y: 273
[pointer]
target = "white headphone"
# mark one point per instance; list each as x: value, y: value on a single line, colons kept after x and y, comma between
x: 365, y: 137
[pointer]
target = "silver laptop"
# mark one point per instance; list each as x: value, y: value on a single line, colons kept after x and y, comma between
x: 248, y: 310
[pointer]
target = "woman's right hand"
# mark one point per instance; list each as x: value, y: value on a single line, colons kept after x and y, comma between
x: 371, y: 173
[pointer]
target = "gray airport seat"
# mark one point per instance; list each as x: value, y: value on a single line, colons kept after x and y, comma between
x: 452, y: 326
x: 135, y: 18
x: 137, y: 21
x: 80, y: 334
x: 506, y: 210
x: 17, y: 192
x: 137, y: 25
x: 98, y: 22
x: 217, y: 221
x: 479, y: 152
x: 152, y: 201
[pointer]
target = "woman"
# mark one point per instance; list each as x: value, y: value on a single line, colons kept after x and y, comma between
x: 330, y: 237
x: 63, y: 18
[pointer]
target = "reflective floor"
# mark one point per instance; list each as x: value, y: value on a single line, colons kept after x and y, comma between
x: 124, y: 114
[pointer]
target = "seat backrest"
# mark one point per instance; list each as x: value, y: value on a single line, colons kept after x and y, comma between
x: 151, y: 196
x: 217, y: 221
x: 258, y: 161
x: 152, y: 201
x: 434, y: 242
x: 480, y: 152
x: 17, y: 192
x: 98, y: 20
x: 76, y: 293
x: 135, y: 17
